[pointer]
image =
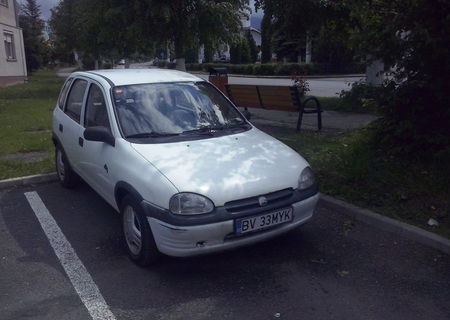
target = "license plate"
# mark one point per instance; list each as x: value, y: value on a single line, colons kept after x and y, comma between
x: 263, y: 221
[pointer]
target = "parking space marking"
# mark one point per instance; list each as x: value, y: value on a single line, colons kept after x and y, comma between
x: 76, y: 271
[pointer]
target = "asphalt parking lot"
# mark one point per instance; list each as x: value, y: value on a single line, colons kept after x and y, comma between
x: 331, y: 268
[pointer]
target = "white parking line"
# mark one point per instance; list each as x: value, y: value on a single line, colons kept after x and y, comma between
x: 79, y: 276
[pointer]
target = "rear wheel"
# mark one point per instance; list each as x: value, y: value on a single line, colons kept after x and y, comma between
x: 67, y: 177
x: 139, y: 241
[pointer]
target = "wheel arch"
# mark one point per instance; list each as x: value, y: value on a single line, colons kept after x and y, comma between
x: 122, y: 189
x: 56, y: 141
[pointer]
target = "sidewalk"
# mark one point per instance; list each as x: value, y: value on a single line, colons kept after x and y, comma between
x: 331, y: 120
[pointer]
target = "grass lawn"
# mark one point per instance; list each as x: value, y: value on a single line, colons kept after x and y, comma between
x: 25, y: 122
x: 406, y: 192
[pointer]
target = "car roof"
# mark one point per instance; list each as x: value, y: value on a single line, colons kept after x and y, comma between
x: 120, y: 77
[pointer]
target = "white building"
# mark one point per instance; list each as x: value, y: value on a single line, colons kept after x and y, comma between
x: 12, y: 54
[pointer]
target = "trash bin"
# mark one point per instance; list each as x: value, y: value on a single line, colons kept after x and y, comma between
x: 219, y: 78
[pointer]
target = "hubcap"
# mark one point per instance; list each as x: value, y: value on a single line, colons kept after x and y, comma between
x: 60, y: 165
x: 132, y: 230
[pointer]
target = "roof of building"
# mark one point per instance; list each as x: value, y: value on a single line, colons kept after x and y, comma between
x: 121, y: 77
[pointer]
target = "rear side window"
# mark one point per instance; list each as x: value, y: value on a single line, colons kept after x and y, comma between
x: 75, y: 99
x: 96, y: 113
x: 63, y: 94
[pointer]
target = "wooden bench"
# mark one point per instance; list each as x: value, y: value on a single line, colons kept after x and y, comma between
x: 273, y: 98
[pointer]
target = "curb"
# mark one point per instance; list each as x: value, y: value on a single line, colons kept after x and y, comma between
x: 28, y: 180
x: 364, y: 215
x: 387, y: 224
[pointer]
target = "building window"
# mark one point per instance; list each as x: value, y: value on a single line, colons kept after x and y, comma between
x: 4, y: 3
x: 9, y: 46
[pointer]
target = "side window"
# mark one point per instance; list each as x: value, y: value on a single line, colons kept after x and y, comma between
x: 96, y: 113
x: 10, y: 47
x: 75, y: 99
x: 63, y: 94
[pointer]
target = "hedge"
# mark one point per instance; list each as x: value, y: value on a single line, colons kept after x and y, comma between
x: 278, y: 69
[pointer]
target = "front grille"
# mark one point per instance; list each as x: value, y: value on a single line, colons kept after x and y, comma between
x: 273, y: 199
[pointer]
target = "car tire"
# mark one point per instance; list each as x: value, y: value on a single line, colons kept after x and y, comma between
x: 66, y: 176
x: 138, y: 237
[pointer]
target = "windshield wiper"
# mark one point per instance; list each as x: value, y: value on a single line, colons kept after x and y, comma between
x: 151, y: 135
x: 209, y: 130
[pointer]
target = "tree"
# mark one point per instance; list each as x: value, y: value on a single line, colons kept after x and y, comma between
x: 266, y: 30
x: 252, y: 46
x: 64, y: 34
x: 32, y: 25
x: 235, y: 53
x: 188, y: 22
x: 98, y: 29
x: 245, y: 51
x: 288, y: 24
x: 332, y: 45
x: 411, y: 38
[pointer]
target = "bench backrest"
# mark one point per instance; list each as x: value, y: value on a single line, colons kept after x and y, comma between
x: 266, y: 97
x: 243, y: 95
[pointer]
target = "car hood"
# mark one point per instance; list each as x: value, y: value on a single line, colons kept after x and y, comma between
x: 227, y: 168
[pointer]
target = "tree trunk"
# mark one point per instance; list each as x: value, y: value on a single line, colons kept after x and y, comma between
x: 167, y: 52
x: 201, y: 54
x: 96, y: 64
x: 179, y: 55
x: 308, y: 51
x: 375, y: 73
x: 77, y: 59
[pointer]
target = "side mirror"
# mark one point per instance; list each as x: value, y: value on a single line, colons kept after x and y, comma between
x: 247, y: 114
x: 101, y: 134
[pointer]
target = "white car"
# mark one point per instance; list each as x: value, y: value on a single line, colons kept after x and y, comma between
x: 188, y: 173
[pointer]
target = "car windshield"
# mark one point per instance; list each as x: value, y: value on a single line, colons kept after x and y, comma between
x: 164, y: 109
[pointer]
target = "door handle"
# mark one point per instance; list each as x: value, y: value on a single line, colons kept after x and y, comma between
x: 80, y: 141
x: 61, y: 128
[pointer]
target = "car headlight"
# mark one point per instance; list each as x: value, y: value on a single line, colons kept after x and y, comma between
x: 185, y: 203
x: 306, y: 179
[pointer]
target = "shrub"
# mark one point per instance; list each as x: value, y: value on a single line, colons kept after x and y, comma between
x: 361, y: 98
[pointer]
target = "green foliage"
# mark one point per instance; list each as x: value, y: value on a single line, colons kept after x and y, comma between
x: 36, y: 49
x: 276, y: 69
x: 209, y: 53
x: 288, y: 24
x: 361, y: 98
x: 235, y: 53
x: 245, y: 51
x: 252, y: 46
x: 189, y: 23
x: 411, y: 37
x: 122, y: 28
x: 266, y: 37
x: 240, y: 52
x: 64, y: 34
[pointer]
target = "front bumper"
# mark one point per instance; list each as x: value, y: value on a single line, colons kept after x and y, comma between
x: 183, y: 241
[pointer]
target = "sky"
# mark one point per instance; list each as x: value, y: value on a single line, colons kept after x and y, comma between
x: 46, y: 5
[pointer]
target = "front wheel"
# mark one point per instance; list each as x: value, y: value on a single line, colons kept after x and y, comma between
x: 138, y: 236
x: 67, y: 177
